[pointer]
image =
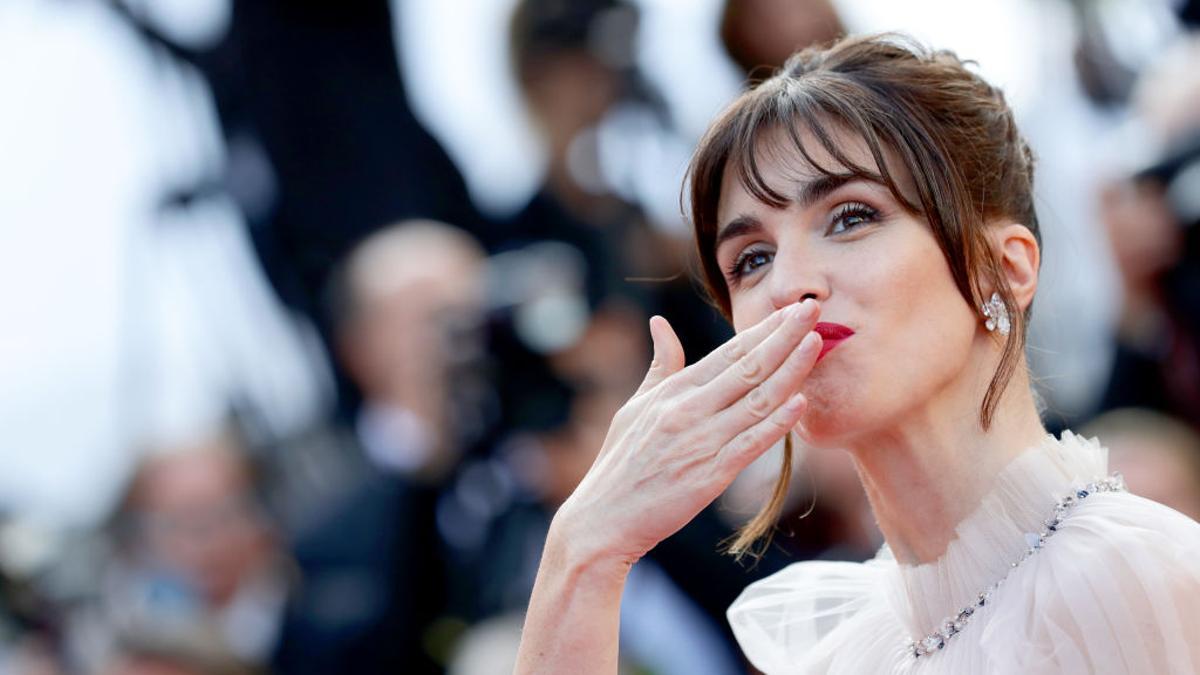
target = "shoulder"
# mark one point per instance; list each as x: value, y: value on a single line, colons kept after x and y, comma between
x: 779, y: 621
x: 1130, y: 548
x: 1118, y: 587
x: 1119, y: 523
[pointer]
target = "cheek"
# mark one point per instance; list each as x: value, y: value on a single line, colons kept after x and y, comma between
x: 746, y: 310
x: 913, y: 338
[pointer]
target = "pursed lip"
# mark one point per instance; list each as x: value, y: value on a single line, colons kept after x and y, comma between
x: 832, y: 335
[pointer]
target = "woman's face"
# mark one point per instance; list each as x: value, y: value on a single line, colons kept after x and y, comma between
x: 874, y: 267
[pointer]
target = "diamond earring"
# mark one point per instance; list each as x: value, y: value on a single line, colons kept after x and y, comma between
x: 997, y: 315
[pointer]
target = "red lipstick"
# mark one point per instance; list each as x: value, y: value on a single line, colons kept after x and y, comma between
x: 832, y: 335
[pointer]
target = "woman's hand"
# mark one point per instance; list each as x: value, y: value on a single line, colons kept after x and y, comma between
x: 670, y: 451
x: 687, y: 433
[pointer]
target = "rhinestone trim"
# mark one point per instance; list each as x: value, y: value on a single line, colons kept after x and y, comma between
x: 951, y: 626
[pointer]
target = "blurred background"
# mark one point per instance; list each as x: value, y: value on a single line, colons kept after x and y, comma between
x: 314, y: 312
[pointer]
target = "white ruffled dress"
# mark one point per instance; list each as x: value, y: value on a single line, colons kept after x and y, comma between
x: 1115, y: 589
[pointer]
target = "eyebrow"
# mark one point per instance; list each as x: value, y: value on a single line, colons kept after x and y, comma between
x: 742, y: 225
x: 810, y: 193
x: 822, y: 186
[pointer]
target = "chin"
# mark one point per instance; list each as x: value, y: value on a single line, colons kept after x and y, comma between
x: 825, y: 427
x: 833, y: 415
x: 838, y: 421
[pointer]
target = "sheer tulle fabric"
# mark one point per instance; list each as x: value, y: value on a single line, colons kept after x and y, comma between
x: 1115, y: 590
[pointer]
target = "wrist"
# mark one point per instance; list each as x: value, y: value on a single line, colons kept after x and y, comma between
x: 577, y: 552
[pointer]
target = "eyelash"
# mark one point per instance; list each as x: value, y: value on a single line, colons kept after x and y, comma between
x: 864, y: 213
x: 735, y: 271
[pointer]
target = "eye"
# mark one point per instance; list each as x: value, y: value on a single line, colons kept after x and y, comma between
x: 851, y: 215
x: 748, y: 262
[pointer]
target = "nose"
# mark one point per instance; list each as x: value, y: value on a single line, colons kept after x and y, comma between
x: 796, y: 277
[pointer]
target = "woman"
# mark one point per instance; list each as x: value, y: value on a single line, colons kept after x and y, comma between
x: 865, y: 219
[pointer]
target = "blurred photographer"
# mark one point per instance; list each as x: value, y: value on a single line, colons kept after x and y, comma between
x: 1151, y: 219
x: 410, y: 336
x: 198, y: 567
x: 408, y: 304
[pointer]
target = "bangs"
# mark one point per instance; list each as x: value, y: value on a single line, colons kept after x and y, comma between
x: 781, y: 112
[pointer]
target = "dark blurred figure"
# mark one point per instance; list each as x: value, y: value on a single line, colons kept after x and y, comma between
x: 575, y: 64
x: 381, y: 590
x: 1107, y: 75
x: 1189, y: 13
x: 1156, y: 362
x: 410, y: 336
x: 31, y: 623
x: 1158, y: 455
x: 831, y: 518
x: 323, y: 148
x: 199, y: 568
x: 1152, y: 220
x: 760, y: 35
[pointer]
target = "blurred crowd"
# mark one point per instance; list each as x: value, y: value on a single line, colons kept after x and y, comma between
x: 284, y: 393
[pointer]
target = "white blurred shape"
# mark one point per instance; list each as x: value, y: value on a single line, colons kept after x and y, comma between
x: 463, y: 91
x: 220, y: 335
x: 68, y: 222
x: 680, y: 51
x: 994, y: 33
x: 196, y: 24
x: 455, y: 65
x: 118, y: 328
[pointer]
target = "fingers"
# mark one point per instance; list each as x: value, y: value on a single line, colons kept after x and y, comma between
x: 752, y: 442
x: 761, y: 403
x: 749, y: 372
x: 742, y: 344
x: 668, y: 353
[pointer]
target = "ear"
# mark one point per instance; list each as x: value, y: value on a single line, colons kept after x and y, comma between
x: 1020, y: 260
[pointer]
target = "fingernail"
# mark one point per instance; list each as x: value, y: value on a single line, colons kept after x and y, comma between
x: 796, y: 402
x: 809, y: 342
x: 806, y: 309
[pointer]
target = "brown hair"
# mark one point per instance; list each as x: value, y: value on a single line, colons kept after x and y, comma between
x: 948, y: 128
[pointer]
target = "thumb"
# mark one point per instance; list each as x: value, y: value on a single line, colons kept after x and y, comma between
x: 668, y: 353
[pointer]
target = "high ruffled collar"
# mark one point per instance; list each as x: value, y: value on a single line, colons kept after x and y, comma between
x: 992, y: 537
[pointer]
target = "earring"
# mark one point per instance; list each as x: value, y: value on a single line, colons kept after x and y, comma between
x: 997, y: 315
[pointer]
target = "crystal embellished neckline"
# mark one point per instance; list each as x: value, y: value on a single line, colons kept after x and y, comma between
x: 951, y: 626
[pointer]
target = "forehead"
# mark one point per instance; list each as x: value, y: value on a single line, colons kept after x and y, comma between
x: 435, y: 264
x: 784, y: 159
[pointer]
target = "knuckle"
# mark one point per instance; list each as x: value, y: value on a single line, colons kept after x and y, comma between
x: 742, y: 445
x: 780, y: 423
x: 795, y: 367
x: 732, y: 351
x: 750, y: 370
x: 757, y: 403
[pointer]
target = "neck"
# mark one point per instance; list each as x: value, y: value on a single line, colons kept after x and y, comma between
x: 928, y: 473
